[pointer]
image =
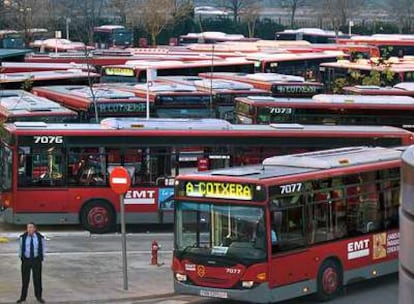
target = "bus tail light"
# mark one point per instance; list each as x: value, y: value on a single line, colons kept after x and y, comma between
x: 6, y: 200
x: 261, y: 277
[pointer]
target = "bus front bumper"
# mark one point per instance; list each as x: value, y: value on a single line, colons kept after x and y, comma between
x: 259, y: 294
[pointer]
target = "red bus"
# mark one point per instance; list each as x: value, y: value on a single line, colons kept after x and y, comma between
x: 94, y: 102
x: 336, y: 75
x: 328, y: 109
x: 280, y: 85
x: 173, y: 100
x: 388, y: 44
x: 136, y: 71
x: 400, y: 89
x: 39, y: 78
x: 70, y: 163
x: 301, y: 64
x: 19, y: 105
x: 222, y: 92
x: 292, y: 226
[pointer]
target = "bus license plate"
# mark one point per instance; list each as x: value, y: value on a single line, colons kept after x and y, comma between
x: 214, y: 294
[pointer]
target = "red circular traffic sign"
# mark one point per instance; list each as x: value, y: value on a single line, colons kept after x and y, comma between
x: 119, y: 180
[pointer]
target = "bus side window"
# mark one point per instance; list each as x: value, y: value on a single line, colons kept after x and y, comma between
x: 390, y: 197
x: 320, y: 213
x: 369, y: 205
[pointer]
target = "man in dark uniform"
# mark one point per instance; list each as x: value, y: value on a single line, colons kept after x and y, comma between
x: 32, y: 249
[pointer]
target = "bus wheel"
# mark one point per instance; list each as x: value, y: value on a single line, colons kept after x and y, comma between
x: 329, y: 280
x: 98, y: 217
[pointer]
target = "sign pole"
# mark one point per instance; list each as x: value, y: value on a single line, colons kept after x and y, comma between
x: 124, y: 254
x: 120, y: 181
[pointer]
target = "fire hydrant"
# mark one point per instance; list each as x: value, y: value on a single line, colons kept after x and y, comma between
x: 154, y: 252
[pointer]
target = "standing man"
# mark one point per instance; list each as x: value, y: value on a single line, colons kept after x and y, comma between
x: 32, y: 249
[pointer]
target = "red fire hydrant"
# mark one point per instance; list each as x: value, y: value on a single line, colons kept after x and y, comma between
x: 154, y: 252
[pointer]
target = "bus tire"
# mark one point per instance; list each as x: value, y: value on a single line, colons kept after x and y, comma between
x: 330, y: 280
x: 98, y: 217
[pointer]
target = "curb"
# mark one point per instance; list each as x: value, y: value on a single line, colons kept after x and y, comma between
x: 47, y: 234
x: 112, y: 300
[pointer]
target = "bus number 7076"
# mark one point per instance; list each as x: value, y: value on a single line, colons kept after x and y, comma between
x: 48, y: 139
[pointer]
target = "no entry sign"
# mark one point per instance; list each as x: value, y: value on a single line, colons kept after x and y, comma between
x: 119, y: 180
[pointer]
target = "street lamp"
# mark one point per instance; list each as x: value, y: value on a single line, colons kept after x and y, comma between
x: 350, y: 25
x: 68, y: 20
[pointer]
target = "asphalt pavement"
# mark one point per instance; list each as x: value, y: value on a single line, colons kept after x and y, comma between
x: 84, y: 268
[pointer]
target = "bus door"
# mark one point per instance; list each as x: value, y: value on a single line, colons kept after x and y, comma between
x: 289, y: 254
x: 42, y: 170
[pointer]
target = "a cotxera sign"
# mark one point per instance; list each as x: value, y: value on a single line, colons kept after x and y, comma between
x: 219, y: 190
x: 119, y: 180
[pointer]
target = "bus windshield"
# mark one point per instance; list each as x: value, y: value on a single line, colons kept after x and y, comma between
x: 229, y: 231
x: 122, y: 37
x: 5, y: 167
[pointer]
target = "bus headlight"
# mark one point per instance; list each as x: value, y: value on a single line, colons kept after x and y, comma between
x: 247, y: 284
x: 181, y: 277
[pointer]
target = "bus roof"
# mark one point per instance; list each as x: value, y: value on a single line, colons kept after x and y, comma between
x: 400, y: 89
x: 101, y: 93
x: 160, y: 87
x: 311, y: 31
x: 346, y: 64
x: 327, y: 100
x: 295, y: 164
x: 219, y: 84
x: 182, y: 64
x: 294, y: 56
x: 46, y: 75
x: 109, y: 27
x: 215, y: 85
x: 264, y: 77
x: 200, y: 127
x: 44, y: 66
x: 22, y: 103
x: 364, y: 99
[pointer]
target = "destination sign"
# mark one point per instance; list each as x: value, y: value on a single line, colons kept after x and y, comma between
x: 306, y: 90
x: 121, y: 107
x: 117, y: 71
x: 219, y: 190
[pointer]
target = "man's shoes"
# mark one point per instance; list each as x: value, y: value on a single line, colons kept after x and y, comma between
x: 20, y: 301
x: 40, y: 300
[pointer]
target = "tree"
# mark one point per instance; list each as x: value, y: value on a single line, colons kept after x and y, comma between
x: 156, y: 15
x: 237, y: 6
x: 121, y: 8
x: 292, y: 6
x: 338, y: 12
x: 403, y: 12
x: 250, y: 15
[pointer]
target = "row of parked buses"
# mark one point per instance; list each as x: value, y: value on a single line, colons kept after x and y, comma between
x: 236, y: 97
